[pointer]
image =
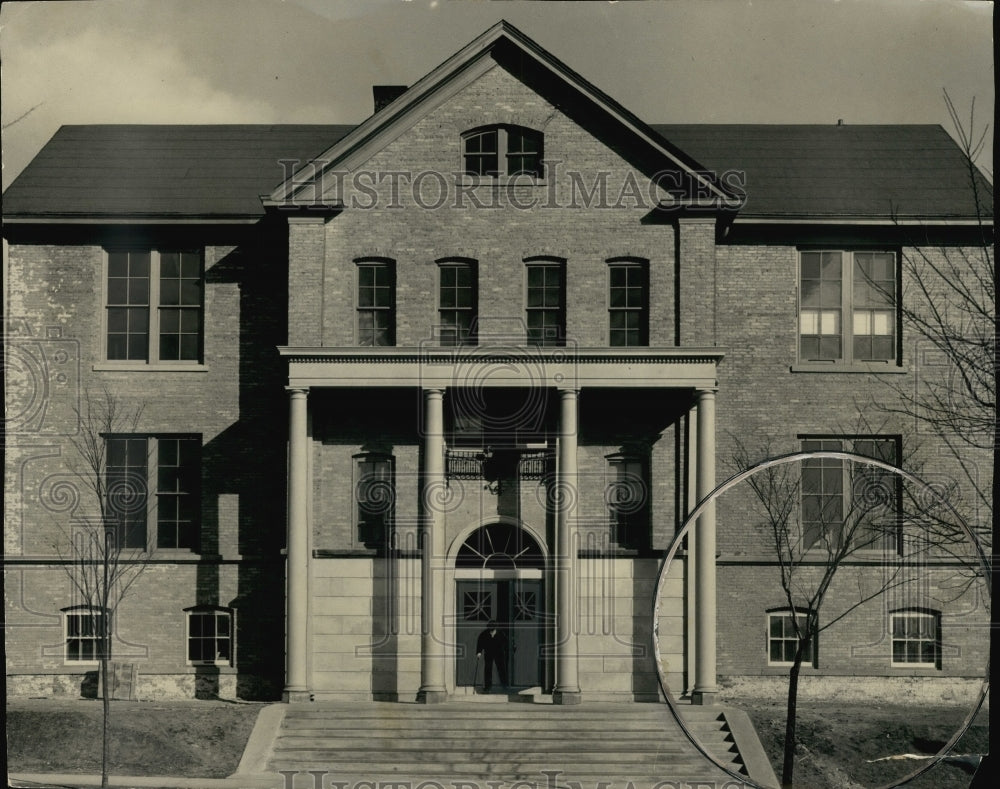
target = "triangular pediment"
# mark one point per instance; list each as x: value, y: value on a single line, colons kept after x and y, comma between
x: 505, y: 46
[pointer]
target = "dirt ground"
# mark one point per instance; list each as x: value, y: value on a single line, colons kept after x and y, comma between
x: 838, y: 740
x: 206, y: 739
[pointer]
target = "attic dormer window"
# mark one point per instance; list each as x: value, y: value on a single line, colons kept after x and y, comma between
x: 503, y: 151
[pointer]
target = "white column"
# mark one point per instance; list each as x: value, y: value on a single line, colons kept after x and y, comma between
x: 297, y: 551
x: 691, y: 472
x: 705, y: 688
x: 567, y: 687
x: 432, y: 651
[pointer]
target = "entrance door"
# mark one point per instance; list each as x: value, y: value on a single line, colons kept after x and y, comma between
x: 516, y: 605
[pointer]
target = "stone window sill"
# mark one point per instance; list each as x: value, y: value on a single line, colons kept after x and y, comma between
x: 834, y: 367
x: 132, y: 367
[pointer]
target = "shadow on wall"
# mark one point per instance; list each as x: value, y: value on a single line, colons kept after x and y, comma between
x: 90, y: 684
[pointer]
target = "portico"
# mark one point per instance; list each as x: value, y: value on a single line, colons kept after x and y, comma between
x: 442, y: 372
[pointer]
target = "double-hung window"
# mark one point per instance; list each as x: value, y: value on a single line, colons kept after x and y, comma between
x: 154, y: 305
x: 209, y: 636
x: 627, y: 498
x: 546, y: 302
x: 153, y: 481
x: 628, y: 303
x: 848, y: 306
x: 783, y: 640
x: 841, y: 497
x: 376, y: 302
x: 457, y: 304
x: 87, y: 634
x: 916, y: 639
x: 375, y: 499
x: 502, y: 150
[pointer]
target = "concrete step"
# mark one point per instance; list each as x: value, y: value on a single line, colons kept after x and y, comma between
x: 301, y: 776
x: 599, y: 742
x: 550, y: 743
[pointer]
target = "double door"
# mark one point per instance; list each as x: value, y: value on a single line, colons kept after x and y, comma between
x: 517, y: 606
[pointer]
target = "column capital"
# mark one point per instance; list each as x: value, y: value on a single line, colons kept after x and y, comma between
x: 434, y: 390
x: 297, y: 391
x: 568, y: 391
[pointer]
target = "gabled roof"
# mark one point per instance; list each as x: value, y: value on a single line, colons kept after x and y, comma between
x: 841, y: 172
x: 161, y: 172
x: 504, y: 43
x: 827, y: 173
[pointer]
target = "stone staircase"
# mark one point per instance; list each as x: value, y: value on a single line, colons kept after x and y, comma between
x: 545, y: 745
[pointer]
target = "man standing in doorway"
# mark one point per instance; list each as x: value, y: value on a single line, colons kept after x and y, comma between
x: 491, y: 646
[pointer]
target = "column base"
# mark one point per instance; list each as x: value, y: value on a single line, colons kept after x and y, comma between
x: 704, y: 697
x: 293, y: 696
x: 567, y: 697
x: 432, y: 696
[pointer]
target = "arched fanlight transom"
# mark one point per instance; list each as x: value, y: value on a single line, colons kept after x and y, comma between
x: 500, y: 546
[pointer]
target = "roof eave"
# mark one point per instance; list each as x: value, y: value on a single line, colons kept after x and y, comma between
x: 772, y: 219
x: 131, y: 219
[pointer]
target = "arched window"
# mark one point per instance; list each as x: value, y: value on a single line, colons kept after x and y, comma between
x: 500, y: 546
x: 503, y: 150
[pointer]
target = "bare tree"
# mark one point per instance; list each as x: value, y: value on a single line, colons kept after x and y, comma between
x: 105, y: 552
x: 827, y: 513
x: 948, y: 305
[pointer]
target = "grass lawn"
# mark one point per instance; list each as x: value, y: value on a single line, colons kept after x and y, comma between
x: 837, y: 740
x: 177, y: 738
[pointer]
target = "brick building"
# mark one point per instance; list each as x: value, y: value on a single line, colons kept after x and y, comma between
x: 475, y: 358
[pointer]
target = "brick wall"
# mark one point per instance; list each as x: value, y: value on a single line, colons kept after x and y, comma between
x: 233, y: 401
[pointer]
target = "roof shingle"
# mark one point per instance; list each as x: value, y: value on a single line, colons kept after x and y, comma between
x: 851, y: 173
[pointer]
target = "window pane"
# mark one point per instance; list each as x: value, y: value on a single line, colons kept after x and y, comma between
x: 189, y: 350
x: 170, y: 290
x: 170, y: 264
x: 117, y: 264
x: 191, y: 265
x: 190, y: 292
x: 117, y: 290
x: 138, y: 291
x: 170, y: 347
x: 831, y: 265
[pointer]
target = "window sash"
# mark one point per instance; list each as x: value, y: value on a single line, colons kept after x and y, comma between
x: 85, y: 636
x: 519, y: 148
x: 782, y: 642
x: 628, y: 305
x: 847, y: 306
x: 626, y: 497
x: 915, y: 639
x: 826, y: 490
x: 545, y: 304
x: 147, y: 472
x: 376, y: 308
x: 210, y: 638
x: 154, y: 306
x: 374, y: 498
x: 457, y: 304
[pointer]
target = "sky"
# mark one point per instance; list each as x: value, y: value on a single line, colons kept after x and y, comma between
x: 314, y: 61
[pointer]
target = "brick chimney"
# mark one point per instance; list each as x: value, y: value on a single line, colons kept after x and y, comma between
x: 386, y: 94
